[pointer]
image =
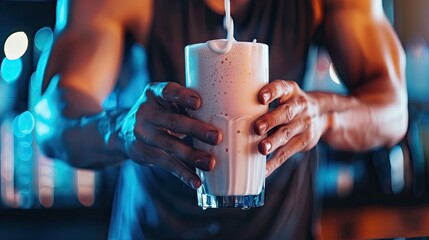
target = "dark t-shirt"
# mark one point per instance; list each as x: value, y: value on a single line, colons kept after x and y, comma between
x: 153, y: 204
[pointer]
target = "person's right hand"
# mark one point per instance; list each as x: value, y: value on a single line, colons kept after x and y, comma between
x: 152, y: 127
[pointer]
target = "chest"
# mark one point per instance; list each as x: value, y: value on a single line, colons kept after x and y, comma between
x: 287, y: 27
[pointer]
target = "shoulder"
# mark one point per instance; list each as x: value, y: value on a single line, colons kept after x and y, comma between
x: 369, y: 7
x: 131, y: 15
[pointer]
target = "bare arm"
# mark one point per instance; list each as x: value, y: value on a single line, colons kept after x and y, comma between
x: 369, y: 58
x: 82, y: 71
x: 88, y: 51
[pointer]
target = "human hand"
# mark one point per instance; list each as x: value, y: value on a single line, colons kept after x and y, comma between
x: 152, y: 128
x: 295, y: 125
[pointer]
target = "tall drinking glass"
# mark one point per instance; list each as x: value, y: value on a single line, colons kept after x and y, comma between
x: 228, y: 85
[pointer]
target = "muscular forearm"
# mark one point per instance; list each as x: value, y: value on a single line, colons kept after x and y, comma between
x: 84, y: 141
x: 369, y: 58
x: 359, y: 123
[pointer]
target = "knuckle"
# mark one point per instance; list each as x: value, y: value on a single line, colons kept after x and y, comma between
x: 303, y: 101
x: 269, y: 169
x: 284, y: 85
x: 172, y: 122
x: 144, y: 117
x: 307, y: 123
x: 276, y: 87
x: 303, y: 143
x: 310, y: 135
x: 283, y: 156
x: 287, y: 133
x: 142, y: 136
x: 294, y: 85
x: 288, y: 112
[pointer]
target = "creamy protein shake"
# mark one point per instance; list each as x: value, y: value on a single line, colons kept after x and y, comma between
x: 228, y: 75
x: 229, y: 84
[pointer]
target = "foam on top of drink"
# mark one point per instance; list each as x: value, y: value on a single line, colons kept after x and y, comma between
x: 228, y: 24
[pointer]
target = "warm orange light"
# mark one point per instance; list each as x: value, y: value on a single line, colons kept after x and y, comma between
x: 85, y: 187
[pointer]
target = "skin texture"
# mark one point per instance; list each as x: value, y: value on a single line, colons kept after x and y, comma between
x: 363, y: 46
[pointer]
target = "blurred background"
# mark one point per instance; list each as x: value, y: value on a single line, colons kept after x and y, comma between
x: 369, y: 195
x: 39, y: 198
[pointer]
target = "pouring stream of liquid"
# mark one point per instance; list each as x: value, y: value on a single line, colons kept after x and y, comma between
x: 228, y: 24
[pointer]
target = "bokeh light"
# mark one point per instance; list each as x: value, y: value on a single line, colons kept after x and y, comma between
x: 11, y: 69
x: 62, y: 9
x: 24, y: 153
x: 26, y: 122
x: 16, y: 45
x: 43, y: 39
x: 26, y: 141
x: 26, y: 199
x: 397, y: 169
x: 23, y: 124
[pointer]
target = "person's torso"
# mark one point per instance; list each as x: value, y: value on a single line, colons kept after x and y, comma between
x: 288, y: 27
x: 152, y: 203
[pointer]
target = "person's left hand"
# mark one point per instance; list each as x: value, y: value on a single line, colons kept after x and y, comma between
x: 295, y: 125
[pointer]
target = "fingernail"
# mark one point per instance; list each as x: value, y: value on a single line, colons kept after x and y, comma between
x: 204, y: 162
x: 267, y: 146
x: 266, y: 96
x: 212, y: 136
x: 194, y: 183
x: 192, y: 102
x: 266, y: 172
x: 262, y: 127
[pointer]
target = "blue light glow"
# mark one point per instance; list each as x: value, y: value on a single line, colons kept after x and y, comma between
x: 62, y: 9
x: 24, y: 153
x: 44, y: 117
x: 26, y: 199
x: 23, y: 124
x: 26, y: 122
x: 42, y: 129
x: 23, y: 169
x: 26, y: 141
x: 44, y: 38
x: 24, y: 180
x: 40, y: 70
x: 34, y: 91
x: 11, y: 69
x: 42, y: 109
x: 15, y: 128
